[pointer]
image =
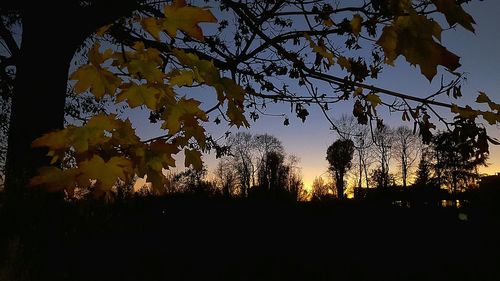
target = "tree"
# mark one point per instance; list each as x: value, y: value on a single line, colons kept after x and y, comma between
x: 406, y: 149
x: 457, y: 158
x: 423, y: 177
x: 349, y: 128
x: 339, y: 156
x: 383, y: 140
x: 235, y: 68
x: 241, y: 147
x: 226, y: 177
x: 320, y: 189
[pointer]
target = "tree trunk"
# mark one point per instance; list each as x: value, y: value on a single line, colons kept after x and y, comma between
x: 39, y: 94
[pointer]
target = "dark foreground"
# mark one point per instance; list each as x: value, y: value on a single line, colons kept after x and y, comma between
x: 201, y: 239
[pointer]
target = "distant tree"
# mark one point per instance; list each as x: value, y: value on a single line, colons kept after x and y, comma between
x: 383, y: 140
x: 349, y: 128
x: 382, y: 179
x: 242, y: 149
x: 226, y: 177
x: 295, y: 185
x: 320, y: 189
x: 406, y: 150
x: 273, y: 173
x: 339, y: 156
x: 457, y: 158
x: 424, y: 170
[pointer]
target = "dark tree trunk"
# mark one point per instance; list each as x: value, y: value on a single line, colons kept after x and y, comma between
x: 51, y: 33
x: 340, y: 185
x: 39, y: 95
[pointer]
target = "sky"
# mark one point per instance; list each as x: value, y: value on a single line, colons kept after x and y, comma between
x: 309, y: 140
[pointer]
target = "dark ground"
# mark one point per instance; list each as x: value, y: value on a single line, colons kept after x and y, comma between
x: 215, y: 239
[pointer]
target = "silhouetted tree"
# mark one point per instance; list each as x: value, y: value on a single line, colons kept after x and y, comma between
x: 406, y: 149
x: 242, y: 151
x: 457, y: 158
x: 423, y: 175
x: 349, y: 128
x: 320, y: 189
x: 383, y: 139
x: 226, y: 177
x: 339, y: 156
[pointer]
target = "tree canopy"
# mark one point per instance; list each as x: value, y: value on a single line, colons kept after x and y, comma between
x: 141, y: 53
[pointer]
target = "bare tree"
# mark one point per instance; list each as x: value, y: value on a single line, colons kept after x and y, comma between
x: 226, y: 177
x: 383, y: 140
x: 349, y: 128
x: 320, y: 189
x: 242, y: 151
x: 406, y: 149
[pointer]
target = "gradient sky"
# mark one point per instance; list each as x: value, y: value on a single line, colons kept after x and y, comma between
x: 480, y: 58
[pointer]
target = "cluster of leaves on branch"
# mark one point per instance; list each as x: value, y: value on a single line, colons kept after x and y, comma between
x: 106, y: 148
x: 265, y: 47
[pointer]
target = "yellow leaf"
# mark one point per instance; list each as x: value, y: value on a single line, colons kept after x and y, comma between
x: 179, y: 16
x: 465, y: 112
x: 483, y: 98
x: 358, y: 91
x: 137, y: 95
x: 203, y: 71
x: 356, y: 22
x: 54, y: 179
x: 454, y: 13
x: 320, y: 49
x: 160, y: 155
x: 491, y: 117
x: 185, y: 111
x: 328, y: 22
x: 236, y: 116
x: 193, y: 157
x: 153, y: 26
x: 100, y: 81
x: 374, y: 99
x: 182, y: 78
x: 413, y: 37
x: 344, y: 63
x: 105, y: 173
x: 125, y: 135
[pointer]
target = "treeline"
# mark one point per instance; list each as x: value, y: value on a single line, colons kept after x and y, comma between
x: 385, y: 157
x: 251, y: 166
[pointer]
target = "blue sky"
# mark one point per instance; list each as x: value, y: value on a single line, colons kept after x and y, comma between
x: 479, y: 58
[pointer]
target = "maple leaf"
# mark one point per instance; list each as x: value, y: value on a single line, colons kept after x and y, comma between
x: 137, y: 95
x: 464, y: 112
x: 182, y: 78
x: 81, y: 138
x: 374, y: 99
x: 160, y: 155
x: 179, y: 16
x: 193, y: 157
x: 92, y: 76
x: 54, y: 179
x: 344, y: 63
x: 413, y: 37
x: 236, y: 116
x: 184, y: 111
x: 105, y: 173
x: 99, y: 80
x: 454, y: 13
x: 356, y: 24
x: 491, y: 117
x: 320, y: 49
x: 482, y: 98
x: 93, y: 133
